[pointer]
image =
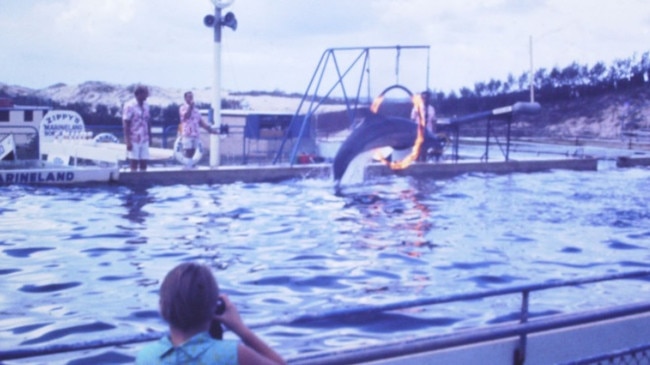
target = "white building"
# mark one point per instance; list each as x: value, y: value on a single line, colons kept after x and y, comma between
x: 20, y: 120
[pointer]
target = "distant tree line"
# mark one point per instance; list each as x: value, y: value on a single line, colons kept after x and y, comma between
x: 572, y: 81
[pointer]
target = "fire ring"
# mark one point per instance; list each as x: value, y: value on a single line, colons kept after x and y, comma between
x: 418, y: 103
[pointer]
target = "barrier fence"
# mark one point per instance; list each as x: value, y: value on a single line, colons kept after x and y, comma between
x: 489, y: 333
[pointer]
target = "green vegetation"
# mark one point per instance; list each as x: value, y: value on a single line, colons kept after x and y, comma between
x: 571, y: 82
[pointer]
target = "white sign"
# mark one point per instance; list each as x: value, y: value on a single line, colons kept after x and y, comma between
x: 61, y: 124
x: 7, y: 146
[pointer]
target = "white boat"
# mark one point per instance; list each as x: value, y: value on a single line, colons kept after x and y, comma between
x: 57, y: 160
x: 42, y: 172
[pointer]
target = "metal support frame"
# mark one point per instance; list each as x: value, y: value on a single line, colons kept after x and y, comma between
x: 520, y: 353
x: 489, y: 131
x: 454, y: 131
x: 311, y: 95
x: 506, y: 114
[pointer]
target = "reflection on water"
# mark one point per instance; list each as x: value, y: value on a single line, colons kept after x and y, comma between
x: 80, y: 264
x: 134, y: 201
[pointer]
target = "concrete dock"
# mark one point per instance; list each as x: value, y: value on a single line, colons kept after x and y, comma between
x: 274, y: 173
x: 626, y: 161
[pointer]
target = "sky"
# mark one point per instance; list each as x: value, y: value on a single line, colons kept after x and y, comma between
x: 278, y: 43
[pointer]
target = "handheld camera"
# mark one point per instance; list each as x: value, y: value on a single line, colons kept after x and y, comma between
x: 216, y: 330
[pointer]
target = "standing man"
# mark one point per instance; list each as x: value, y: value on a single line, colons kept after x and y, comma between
x: 429, y: 118
x: 191, y: 120
x: 136, y: 121
x: 429, y: 113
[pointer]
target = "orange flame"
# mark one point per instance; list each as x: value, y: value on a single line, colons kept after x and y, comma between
x: 376, y: 103
x: 418, y: 104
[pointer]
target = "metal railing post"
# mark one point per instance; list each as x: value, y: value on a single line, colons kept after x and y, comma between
x: 520, y: 352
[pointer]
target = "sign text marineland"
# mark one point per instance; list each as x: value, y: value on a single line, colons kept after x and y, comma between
x: 36, y: 177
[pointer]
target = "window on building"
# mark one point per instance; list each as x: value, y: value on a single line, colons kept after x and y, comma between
x: 29, y: 115
x: 4, y: 115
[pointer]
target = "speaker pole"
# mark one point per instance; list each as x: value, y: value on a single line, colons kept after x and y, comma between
x: 216, y: 23
x: 215, y: 153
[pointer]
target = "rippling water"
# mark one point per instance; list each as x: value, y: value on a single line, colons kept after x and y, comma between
x: 79, y: 264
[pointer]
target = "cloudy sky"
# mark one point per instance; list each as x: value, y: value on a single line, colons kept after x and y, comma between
x: 278, y: 43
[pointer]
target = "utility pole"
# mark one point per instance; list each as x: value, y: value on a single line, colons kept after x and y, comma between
x: 216, y: 22
x: 532, y: 75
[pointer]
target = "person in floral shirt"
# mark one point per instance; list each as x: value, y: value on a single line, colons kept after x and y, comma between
x: 191, y: 120
x: 136, y: 121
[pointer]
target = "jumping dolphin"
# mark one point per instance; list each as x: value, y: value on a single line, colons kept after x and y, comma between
x: 378, y: 131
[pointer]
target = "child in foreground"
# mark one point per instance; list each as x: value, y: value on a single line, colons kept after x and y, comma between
x: 189, y: 297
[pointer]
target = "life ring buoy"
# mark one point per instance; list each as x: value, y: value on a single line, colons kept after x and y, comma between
x: 179, y: 153
x: 106, y: 138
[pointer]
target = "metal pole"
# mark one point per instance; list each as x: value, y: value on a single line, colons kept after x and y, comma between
x: 532, y: 75
x: 216, y: 90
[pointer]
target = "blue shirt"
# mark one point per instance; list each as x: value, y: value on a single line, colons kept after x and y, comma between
x: 200, y: 349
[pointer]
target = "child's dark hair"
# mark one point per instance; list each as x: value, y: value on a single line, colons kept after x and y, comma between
x: 188, y: 296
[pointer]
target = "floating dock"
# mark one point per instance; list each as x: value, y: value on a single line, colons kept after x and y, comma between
x: 625, y: 161
x: 274, y: 173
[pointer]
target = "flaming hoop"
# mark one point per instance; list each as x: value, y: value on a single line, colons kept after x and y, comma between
x: 418, y: 104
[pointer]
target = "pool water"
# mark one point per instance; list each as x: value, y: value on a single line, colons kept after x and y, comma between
x: 84, y: 263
